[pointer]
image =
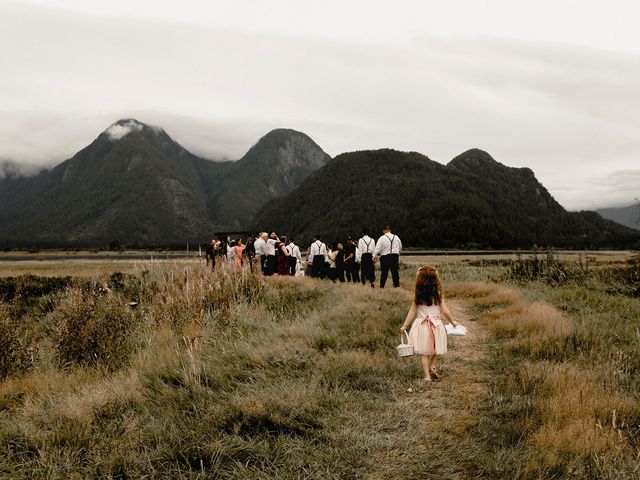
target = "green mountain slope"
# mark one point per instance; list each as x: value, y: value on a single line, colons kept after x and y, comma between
x: 472, y: 201
x: 275, y: 165
x: 629, y: 216
x: 134, y: 184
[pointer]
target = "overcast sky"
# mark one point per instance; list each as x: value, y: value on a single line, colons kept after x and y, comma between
x: 551, y: 85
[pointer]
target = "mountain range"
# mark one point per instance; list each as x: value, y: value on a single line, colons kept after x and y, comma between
x: 474, y: 201
x: 629, y: 216
x: 136, y: 186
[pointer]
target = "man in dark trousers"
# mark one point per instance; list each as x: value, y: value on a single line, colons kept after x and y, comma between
x: 367, y: 246
x: 260, y: 247
x: 211, y: 254
x: 294, y: 257
x: 270, y: 248
x: 318, y: 257
x: 388, y: 248
x: 250, y: 251
x: 350, y: 266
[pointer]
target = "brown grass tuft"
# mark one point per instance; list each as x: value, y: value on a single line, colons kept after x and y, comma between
x: 581, y: 417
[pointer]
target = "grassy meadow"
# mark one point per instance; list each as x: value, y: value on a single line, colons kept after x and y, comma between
x: 230, y: 375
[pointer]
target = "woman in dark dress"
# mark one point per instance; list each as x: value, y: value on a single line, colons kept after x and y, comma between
x: 340, y: 266
x: 282, y: 257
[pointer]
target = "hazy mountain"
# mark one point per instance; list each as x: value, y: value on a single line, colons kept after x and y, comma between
x: 275, y: 165
x: 472, y: 201
x: 629, y: 216
x: 136, y: 185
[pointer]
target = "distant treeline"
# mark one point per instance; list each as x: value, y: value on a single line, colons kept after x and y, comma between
x: 8, y: 245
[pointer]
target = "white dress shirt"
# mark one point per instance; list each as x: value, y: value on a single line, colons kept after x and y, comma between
x: 270, y: 248
x: 388, y: 243
x: 367, y: 245
x: 331, y: 258
x: 294, y: 251
x: 318, y: 248
x: 260, y: 247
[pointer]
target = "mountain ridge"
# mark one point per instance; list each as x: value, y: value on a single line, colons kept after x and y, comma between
x: 473, y: 201
x: 628, y: 216
x: 134, y: 184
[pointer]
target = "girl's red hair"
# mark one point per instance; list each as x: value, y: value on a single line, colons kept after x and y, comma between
x: 428, y: 289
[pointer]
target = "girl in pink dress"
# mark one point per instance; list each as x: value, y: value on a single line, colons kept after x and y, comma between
x: 238, y: 254
x: 428, y: 335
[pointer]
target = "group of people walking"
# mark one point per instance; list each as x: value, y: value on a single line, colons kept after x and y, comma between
x: 270, y: 254
x: 230, y: 250
x: 354, y: 261
x: 349, y: 261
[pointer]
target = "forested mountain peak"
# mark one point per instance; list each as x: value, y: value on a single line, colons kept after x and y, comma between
x: 287, y: 148
x: 475, y: 201
x: 274, y: 166
x: 477, y: 161
x: 134, y: 184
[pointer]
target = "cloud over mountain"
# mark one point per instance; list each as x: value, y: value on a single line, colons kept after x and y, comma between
x: 566, y: 110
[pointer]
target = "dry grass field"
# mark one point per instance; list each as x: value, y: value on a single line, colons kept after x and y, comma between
x: 91, y: 264
x: 229, y: 375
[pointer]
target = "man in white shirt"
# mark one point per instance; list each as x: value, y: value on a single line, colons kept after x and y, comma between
x: 270, y: 249
x: 295, y: 258
x: 231, y: 250
x: 367, y: 247
x: 260, y: 246
x: 388, y: 248
x: 318, y: 258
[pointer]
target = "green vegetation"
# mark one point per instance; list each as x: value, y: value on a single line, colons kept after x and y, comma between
x: 144, y: 189
x: 473, y: 202
x: 230, y: 375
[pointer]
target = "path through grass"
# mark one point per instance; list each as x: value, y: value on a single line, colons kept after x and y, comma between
x: 234, y: 377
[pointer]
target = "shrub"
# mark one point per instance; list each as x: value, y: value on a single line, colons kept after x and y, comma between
x: 15, y: 357
x: 28, y: 287
x: 95, y: 329
x: 548, y: 269
x: 193, y: 295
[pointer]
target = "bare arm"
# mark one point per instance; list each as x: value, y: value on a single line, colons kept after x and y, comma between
x: 447, y: 314
x: 410, y: 316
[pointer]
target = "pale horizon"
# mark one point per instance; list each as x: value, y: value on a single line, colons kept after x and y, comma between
x: 523, y: 84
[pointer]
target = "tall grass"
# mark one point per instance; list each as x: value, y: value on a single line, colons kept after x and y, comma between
x: 217, y: 375
x: 565, y: 353
x: 227, y: 375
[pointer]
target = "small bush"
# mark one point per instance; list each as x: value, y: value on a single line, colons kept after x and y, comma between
x: 548, y: 269
x: 29, y: 287
x: 193, y: 296
x: 95, y: 329
x: 15, y: 357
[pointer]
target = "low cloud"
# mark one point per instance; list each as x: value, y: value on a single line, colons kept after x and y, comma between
x: 11, y: 169
x: 121, y: 129
x: 567, y: 112
x: 621, y: 188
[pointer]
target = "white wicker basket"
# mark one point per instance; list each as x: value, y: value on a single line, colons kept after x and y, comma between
x: 404, y: 349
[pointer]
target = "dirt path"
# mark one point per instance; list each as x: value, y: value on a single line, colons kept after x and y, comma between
x: 443, y: 412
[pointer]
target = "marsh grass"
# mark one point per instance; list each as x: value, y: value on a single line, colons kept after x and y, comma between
x: 229, y: 375
x: 210, y: 374
x: 566, y: 379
